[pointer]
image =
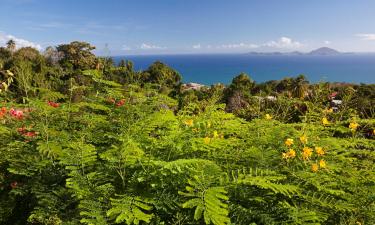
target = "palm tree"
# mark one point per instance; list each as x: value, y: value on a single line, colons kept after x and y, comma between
x: 300, y: 87
x: 11, y: 45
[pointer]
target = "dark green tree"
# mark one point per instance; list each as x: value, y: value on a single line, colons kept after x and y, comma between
x: 162, y: 74
x: 77, y: 55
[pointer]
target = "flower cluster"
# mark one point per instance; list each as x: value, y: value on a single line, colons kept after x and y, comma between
x: 306, y: 154
x: 26, y: 132
x: 3, y: 112
x: 120, y: 103
x: 353, y: 126
x: 16, y: 113
x: 215, y: 135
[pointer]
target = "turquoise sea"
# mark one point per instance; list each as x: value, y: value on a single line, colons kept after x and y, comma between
x: 221, y: 68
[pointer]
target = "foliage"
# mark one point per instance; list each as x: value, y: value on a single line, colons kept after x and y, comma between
x: 125, y: 153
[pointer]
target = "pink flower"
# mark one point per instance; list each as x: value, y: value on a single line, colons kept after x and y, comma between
x: 18, y: 114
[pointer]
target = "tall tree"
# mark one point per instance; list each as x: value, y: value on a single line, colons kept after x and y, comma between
x: 77, y: 55
x: 11, y: 45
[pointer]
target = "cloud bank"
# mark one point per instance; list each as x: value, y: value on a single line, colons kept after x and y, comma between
x: 145, y: 46
x: 4, y: 38
x: 283, y: 42
x: 366, y: 37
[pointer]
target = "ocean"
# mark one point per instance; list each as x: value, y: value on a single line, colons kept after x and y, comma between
x: 221, y: 68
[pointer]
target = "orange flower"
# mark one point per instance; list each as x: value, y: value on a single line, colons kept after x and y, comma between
x: 319, y: 151
x: 3, y: 111
x: 306, y: 154
x: 322, y: 163
x: 289, y: 142
x: 314, y: 167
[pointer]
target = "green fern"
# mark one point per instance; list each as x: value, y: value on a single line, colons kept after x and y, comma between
x: 207, y: 201
x: 131, y: 210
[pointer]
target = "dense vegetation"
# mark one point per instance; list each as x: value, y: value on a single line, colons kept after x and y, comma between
x: 83, y: 141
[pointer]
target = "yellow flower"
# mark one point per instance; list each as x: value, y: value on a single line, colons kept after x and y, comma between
x: 307, y: 152
x: 289, y: 142
x: 319, y: 151
x: 314, y: 167
x: 268, y: 117
x: 189, y: 122
x: 207, y: 140
x: 325, y: 121
x: 195, y: 130
x: 322, y: 163
x: 303, y: 139
x: 216, y: 135
x: 330, y: 110
x: 209, y: 124
x: 353, y: 126
x: 291, y: 153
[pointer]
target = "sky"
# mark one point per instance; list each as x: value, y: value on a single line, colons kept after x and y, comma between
x: 127, y: 27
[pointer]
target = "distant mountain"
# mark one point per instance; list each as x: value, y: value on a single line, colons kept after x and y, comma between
x: 324, y: 51
x: 319, y: 51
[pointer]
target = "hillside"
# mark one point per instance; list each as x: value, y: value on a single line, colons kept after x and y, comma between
x: 84, y: 141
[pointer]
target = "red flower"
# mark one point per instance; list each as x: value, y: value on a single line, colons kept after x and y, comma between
x: 18, y: 114
x: 14, y: 184
x: 30, y: 134
x: 53, y: 104
x: 120, y: 103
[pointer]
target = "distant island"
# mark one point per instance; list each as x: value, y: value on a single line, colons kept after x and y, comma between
x: 320, y: 51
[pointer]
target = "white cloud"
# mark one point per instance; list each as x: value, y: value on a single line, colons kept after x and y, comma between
x: 366, y: 37
x: 197, y: 46
x: 327, y: 42
x: 145, y: 46
x: 126, y: 48
x: 4, y: 38
x: 240, y: 46
x: 283, y: 42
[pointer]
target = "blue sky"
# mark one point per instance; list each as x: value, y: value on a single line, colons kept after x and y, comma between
x: 191, y: 26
